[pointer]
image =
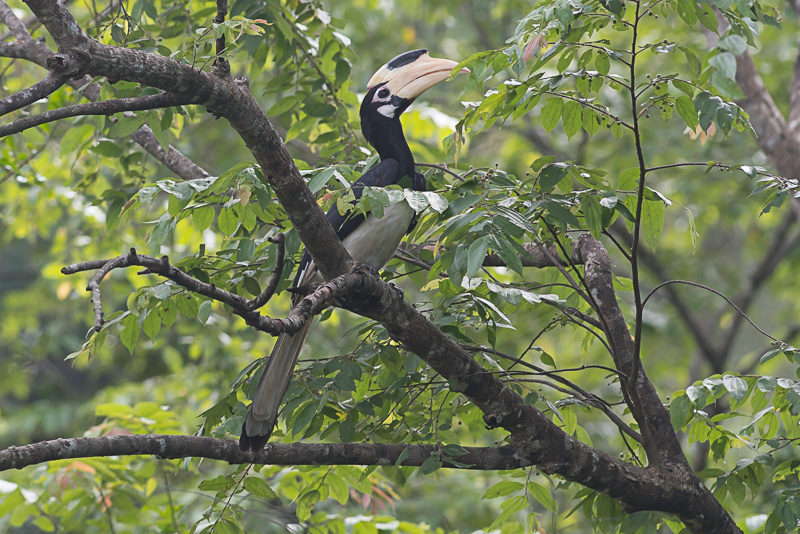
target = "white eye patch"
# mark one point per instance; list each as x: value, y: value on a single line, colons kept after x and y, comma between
x: 382, y: 95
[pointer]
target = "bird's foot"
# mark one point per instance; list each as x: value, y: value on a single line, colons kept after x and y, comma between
x: 375, y: 272
x: 371, y: 269
x: 396, y: 288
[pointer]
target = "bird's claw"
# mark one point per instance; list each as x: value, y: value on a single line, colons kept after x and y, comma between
x: 397, y: 290
x: 375, y: 272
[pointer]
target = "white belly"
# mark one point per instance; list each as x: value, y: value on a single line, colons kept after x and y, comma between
x: 375, y: 240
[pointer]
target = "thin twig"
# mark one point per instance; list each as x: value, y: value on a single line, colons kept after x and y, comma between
x: 108, y: 107
x: 309, y: 306
x: 442, y: 168
x: 277, y: 273
x: 587, y: 396
x: 718, y: 293
x: 222, y: 12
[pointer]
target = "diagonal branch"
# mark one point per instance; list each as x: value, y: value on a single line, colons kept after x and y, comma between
x: 17, y: 27
x: 766, y: 118
x: 774, y: 254
x: 108, y: 107
x: 794, y: 93
x: 33, y: 93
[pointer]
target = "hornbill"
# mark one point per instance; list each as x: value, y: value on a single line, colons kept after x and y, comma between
x: 369, y: 240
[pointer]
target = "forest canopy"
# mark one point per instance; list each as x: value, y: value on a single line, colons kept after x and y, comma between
x: 590, y: 328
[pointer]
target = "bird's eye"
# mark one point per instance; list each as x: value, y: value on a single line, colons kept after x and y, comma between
x: 383, y: 93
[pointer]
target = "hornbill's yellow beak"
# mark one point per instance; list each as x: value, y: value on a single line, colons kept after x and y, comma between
x: 412, y: 73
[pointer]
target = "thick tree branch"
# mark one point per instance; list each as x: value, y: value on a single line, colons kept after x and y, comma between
x: 794, y: 95
x: 172, y: 447
x: 773, y: 136
x: 33, y: 93
x: 660, y: 441
x: 108, y: 107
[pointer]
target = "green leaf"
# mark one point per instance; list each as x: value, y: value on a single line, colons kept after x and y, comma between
x: 708, y: 109
x: 687, y: 111
x: 571, y: 118
x: 283, y: 105
x: 602, y: 63
x: 615, y: 6
x: 126, y: 126
x: 706, y: 16
x: 152, y: 324
x: 259, y: 487
x: 589, y: 120
x: 130, y: 331
x: 204, y: 311
x: 431, y: 464
x: 692, y: 229
x: 551, y: 113
x: 680, y: 411
x: 552, y: 174
x: 507, y: 253
x: 593, y: 215
x: 510, y: 507
x: 436, y: 201
x: 725, y: 63
x: 501, y: 489
x: 203, y: 217
x: 347, y: 431
x: 684, y: 87
x: 477, y: 253
x: 735, y: 386
x: 303, y: 418
x: 686, y: 11
x: 162, y: 291
x: 629, y: 179
x: 566, y: 58
x: 402, y: 458
x: 735, y: 44
x: 76, y: 137
x: 652, y: 221
x: 227, y: 221
x: 539, y: 163
x: 454, y: 449
x: 543, y: 496
x: 767, y: 356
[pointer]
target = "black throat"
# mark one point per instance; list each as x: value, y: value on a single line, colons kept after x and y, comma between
x: 386, y: 136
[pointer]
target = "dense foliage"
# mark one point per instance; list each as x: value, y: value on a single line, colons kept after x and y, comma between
x: 621, y: 119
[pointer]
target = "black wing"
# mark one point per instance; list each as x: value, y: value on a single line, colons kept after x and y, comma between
x: 384, y: 174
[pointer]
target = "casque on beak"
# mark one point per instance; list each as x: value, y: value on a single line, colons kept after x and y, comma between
x: 409, y: 79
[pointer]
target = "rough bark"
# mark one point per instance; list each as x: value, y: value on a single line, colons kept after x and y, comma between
x: 667, y: 485
x: 172, y: 447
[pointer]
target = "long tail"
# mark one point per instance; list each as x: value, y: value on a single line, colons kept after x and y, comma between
x: 260, y: 422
